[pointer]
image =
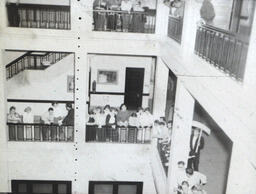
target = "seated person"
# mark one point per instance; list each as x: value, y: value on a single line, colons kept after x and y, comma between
x: 48, y: 117
x: 13, y: 116
x: 110, y: 117
x: 69, y: 119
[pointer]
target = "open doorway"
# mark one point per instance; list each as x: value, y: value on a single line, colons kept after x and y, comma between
x: 134, y: 79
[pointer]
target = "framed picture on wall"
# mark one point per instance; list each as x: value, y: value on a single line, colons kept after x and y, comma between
x: 70, y: 84
x: 107, y: 77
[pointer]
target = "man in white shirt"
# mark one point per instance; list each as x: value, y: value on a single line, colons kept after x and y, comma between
x: 195, y: 178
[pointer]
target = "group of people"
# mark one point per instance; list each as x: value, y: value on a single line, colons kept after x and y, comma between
x: 55, y: 115
x: 189, y: 181
x: 114, y: 15
x: 110, y: 119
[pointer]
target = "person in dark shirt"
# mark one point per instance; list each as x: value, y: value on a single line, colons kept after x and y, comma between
x: 196, y: 144
x: 69, y: 119
x: 13, y: 14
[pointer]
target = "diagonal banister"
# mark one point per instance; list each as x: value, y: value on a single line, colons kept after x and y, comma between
x: 33, y: 61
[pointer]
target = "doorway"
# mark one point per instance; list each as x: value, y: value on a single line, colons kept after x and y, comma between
x: 134, y: 81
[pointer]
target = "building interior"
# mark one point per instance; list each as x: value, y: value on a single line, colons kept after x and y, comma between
x: 69, y: 67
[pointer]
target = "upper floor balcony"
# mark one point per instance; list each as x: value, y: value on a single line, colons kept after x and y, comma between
x: 27, y: 15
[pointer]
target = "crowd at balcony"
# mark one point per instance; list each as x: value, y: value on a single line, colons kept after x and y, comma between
x: 123, y: 15
x: 55, y: 124
x: 119, y: 125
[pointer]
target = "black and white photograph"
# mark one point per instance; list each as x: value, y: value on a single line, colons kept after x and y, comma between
x: 127, y: 97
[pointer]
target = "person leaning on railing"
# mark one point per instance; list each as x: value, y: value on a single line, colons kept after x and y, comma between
x: 122, y: 118
x: 13, y: 13
x: 126, y: 6
x: 138, y: 18
x: 112, y: 17
x: 13, y: 116
x: 99, y: 17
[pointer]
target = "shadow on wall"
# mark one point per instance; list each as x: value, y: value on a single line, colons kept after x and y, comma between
x: 215, y: 157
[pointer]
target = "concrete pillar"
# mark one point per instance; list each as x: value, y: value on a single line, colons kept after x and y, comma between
x: 4, y: 183
x: 242, y: 173
x: 182, y: 121
x: 161, y: 81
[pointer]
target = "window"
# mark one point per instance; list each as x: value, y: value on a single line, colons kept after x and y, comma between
x: 109, y: 187
x: 42, y: 187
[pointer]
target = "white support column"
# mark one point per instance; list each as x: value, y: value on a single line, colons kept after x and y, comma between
x: 182, y: 121
x: 160, y: 91
x: 4, y: 183
x: 242, y: 173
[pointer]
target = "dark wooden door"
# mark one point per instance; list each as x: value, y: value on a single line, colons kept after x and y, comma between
x: 134, y: 81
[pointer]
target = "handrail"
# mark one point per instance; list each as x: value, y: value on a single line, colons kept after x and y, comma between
x: 121, y: 11
x: 25, y: 61
x: 19, y: 58
x: 223, y: 31
x: 47, y: 6
x: 224, y: 49
x: 39, y: 16
x: 129, y: 134
x: 175, y: 26
x: 39, y: 124
x: 40, y: 132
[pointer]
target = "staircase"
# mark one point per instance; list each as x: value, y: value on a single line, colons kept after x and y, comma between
x: 33, y: 60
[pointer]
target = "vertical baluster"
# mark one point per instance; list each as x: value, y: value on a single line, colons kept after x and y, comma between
x: 237, y: 58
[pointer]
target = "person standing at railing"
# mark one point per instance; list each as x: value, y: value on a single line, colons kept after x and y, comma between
x: 126, y: 6
x: 48, y: 119
x: 99, y: 7
x: 28, y: 118
x: 13, y: 117
x: 13, y: 13
x: 69, y: 121
x: 122, y: 118
x: 138, y: 18
x: 110, y: 122
x: 133, y: 127
x: 113, y: 5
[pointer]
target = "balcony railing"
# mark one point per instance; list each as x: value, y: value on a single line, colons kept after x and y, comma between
x: 38, y: 16
x: 164, y: 153
x: 39, y: 132
x: 122, y: 21
x: 223, y: 49
x: 118, y: 134
x: 31, y: 60
x: 175, y: 25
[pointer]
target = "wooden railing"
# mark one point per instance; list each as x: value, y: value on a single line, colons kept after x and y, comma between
x: 223, y: 49
x: 128, y: 134
x: 175, y: 25
x: 39, y: 132
x: 38, y: 16
x: 122, y: 21
x: 33, y: 61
